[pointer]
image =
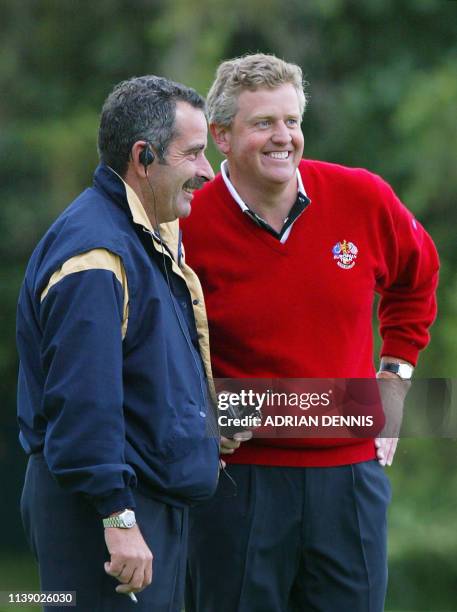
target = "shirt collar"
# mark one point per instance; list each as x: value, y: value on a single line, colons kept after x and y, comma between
x: 113, y: 183
x: 299, y: 206
x: 236, y: 196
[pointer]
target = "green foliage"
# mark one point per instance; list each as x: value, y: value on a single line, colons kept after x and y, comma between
x: 422, y: 538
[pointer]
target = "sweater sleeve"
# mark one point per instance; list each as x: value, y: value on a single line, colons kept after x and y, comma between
x: 407, y: 283
x: 81, y: 317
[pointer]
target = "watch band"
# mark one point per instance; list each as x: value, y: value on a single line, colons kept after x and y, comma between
x: 402, y: 370
x: 124, y: 520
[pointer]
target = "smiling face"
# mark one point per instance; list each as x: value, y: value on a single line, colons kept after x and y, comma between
x: 264, y: 143
x: 185, y: 168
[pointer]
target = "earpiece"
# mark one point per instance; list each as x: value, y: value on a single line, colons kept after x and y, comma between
x: 146, y: 156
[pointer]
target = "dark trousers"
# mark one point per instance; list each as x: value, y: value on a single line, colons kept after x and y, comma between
x: 291, y: 540
x: 67, y: 538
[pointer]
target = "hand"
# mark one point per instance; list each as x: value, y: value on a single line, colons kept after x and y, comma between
x: 131, y: 559
x: 385, y: 450
x: 229, y: 445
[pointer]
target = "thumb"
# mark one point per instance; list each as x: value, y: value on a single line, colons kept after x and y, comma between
x: 107, y: 566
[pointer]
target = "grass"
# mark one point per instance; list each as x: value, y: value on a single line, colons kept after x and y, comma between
x: 18, y: 573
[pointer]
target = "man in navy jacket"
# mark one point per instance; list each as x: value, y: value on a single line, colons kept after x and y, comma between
x: 113, y: 402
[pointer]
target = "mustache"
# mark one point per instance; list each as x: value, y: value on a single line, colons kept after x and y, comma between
x: 195, y: 182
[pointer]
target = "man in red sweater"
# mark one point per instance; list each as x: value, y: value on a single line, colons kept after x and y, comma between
x: 290, y: 253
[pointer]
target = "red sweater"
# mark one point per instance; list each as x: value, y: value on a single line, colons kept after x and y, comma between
x: 303, y: 309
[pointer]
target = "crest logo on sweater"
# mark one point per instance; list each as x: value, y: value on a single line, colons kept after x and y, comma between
x: 345, y: 253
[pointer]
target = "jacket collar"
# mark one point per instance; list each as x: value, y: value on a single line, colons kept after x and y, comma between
x: 109, y: 181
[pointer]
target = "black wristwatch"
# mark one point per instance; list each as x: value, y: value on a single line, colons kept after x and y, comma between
x: 402, y: 370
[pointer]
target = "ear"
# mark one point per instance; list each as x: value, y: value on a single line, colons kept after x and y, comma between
x: 136, y: 163
x: 222, y: 137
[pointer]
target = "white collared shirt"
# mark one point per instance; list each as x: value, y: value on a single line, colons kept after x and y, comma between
x: 236, y: 196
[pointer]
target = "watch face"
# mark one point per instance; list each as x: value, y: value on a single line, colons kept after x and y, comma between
x: 405, y: 371
x: 129, y: 518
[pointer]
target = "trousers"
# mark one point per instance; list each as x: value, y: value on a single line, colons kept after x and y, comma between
x: 66, y: 536
x: 285, y: 539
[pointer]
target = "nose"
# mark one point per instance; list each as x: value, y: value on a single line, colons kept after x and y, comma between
x: 204, y: 168
x: 281, y: 134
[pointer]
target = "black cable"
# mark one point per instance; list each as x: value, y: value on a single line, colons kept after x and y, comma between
x: 213, y: 429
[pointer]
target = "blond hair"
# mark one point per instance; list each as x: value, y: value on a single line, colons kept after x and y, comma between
x: 250, y: 72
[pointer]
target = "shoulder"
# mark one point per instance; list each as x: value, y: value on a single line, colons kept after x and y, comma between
x: 90, y: 221
x: 351, y: 186
x: 89, y: 224
x: 93, y: 260
x: 314, y: 169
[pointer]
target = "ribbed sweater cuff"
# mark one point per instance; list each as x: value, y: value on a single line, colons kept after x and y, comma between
x: 394, y: 347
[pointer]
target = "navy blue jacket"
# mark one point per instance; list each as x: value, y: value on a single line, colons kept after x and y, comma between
x: 112, y: 388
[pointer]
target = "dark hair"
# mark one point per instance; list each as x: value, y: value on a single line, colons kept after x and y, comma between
x: 142, y: 108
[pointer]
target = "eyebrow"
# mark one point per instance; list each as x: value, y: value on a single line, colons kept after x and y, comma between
x: 260, y: 117
x: 272, y: 117
x: 194, y: 148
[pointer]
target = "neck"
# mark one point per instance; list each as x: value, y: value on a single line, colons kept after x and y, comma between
x: 271, y: 202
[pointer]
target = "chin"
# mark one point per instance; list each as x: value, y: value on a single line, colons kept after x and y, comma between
x: 184, y: 211
x: 280, y: 175
x: 280, y: 178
